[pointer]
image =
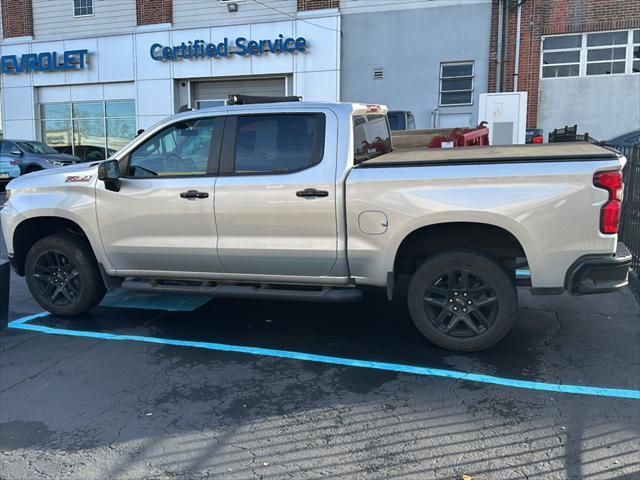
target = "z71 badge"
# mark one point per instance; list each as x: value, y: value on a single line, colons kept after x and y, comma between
x: 77, y: 178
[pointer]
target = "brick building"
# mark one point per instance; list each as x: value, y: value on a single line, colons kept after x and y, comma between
x: 579, y: 61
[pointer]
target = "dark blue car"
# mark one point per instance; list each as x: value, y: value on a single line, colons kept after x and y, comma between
x: 32, y: 156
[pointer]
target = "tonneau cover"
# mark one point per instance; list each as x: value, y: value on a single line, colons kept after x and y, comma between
x: 552, y: 152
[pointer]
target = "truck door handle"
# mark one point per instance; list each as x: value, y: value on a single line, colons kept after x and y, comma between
x: 312, y: 193
x: 194, y: 194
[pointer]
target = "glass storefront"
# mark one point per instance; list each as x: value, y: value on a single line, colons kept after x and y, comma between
x: 89, y: 130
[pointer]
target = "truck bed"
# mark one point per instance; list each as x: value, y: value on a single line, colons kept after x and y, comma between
x: 556, y: 152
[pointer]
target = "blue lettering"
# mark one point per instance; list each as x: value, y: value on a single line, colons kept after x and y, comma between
x: 44, y: 62
x: 9, y: 63
x: 211, y: 50
x: 242, y: 48
x: 253, y: 47
x: 301, y: 44
x: 29, y: 62
x: 286, y: 44
x: 156, y: 52
x: 223, y: 48
x: 167, y: 53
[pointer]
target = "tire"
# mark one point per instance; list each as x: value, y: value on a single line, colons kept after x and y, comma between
x: 462, y: 300
x: 62, y: 275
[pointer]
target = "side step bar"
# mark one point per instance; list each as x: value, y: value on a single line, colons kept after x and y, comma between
x: 265, y: 291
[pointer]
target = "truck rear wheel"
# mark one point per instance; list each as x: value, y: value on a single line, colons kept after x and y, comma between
x: 462, y: 300
x: 63, y: 276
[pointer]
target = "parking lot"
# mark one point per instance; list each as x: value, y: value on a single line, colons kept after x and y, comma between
x: 99, y: 406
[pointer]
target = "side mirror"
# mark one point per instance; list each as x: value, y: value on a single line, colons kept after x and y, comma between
x: 109, y: 173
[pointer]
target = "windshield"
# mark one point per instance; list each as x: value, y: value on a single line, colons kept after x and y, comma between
x: 371, y: 137
x: 36, y: 147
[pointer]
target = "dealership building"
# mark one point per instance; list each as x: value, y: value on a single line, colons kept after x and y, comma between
x: 85, y: 75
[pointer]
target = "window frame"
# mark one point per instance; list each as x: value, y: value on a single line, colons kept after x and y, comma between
x: 213, y: 163
x: 83, y: 15
x: 473, y: 83
x: 228, y: 153
x: 73, y: 119
x: 584, y: 51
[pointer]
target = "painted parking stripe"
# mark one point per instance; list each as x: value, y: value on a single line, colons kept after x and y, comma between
x: 23, y: 324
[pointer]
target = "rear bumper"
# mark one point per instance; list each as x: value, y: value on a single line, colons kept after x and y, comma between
x: 599, y: 273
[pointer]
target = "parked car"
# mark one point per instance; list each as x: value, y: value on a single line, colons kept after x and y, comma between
x: 32, y: 156
x: 626, y: 140
x: 8, y: 171
x: 311, y: 203
x: 401, y: 120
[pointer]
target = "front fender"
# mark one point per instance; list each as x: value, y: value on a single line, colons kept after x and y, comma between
x: 75, y: 204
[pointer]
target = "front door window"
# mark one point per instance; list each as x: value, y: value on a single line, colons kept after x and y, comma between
x: 181, y: 149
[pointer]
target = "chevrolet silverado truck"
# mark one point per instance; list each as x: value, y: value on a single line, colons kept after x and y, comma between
x: 310, y: 201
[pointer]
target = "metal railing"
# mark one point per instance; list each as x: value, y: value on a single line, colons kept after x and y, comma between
x: 630, y: 219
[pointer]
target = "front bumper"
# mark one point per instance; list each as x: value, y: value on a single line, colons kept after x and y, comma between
x: 599, y: 273
x: 11, y: 173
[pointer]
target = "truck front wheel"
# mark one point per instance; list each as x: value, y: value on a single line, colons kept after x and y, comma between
x: 62, y: 275
x: 462, y: 300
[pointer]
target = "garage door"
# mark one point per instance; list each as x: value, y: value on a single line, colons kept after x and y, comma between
x: 214, y: 94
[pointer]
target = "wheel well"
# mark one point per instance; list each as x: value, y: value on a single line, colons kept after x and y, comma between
x: 425, y: 241
x: 30, y: 231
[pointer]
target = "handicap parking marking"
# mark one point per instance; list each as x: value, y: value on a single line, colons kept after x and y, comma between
x: 23, y: 324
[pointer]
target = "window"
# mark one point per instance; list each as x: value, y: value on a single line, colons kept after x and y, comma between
x: 90, y: 130
x: 181, y: 149
x: 606, y: 53
x: 371, y: 137
x: 278, y: 143
x: 588, y: 54
x: 82, y: 8
x: 456, y: 84
x: 210, y: 103
x: 635, y: 59
x: 561, y: 56
x: 7, y: 148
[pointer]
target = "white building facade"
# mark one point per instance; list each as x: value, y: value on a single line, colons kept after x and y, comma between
x: 84, y: 90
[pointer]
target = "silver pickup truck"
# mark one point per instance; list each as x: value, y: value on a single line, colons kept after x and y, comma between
x: 310, y: 201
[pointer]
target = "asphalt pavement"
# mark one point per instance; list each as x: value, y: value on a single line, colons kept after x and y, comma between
x: 96, y: 408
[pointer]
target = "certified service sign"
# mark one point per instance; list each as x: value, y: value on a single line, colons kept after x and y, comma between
x: 241, y: 46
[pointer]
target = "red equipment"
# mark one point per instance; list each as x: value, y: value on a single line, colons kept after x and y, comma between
x: 463, y: 137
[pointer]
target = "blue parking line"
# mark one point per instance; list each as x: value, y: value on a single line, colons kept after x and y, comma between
x: 23, y: 324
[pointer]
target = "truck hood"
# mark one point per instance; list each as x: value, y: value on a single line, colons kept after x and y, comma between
x: 75, y: 174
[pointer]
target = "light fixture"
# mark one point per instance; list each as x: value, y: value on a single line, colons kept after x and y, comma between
x: 232, y: 7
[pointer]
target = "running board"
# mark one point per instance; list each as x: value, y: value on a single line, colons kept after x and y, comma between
x: 265, y: 291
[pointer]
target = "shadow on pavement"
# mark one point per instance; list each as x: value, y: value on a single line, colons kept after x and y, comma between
x: 538, y: 347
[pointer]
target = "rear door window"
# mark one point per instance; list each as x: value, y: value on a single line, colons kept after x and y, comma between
x: 371, y: 137
x: 279, y: 143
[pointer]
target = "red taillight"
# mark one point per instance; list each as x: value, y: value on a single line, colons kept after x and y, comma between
x: 537, y: 140
x: 373, y: 108
x: 610, y: 212
x: 14, y: 162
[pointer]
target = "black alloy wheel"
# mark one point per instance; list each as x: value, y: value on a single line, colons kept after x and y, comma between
x: 460, y: 304
x: 462, y: 300
x: 57, y: 278
x: 63, y: 275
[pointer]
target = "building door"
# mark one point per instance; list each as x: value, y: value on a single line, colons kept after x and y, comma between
x: 215, y: 93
